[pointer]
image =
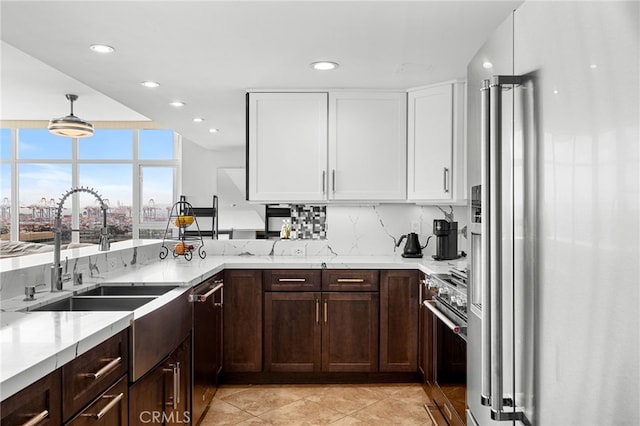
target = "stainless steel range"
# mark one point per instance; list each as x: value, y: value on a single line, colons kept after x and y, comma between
x: 450, y: 299
x: 447, y: 379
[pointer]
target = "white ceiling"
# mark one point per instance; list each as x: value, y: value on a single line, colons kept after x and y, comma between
x: 208, y: 53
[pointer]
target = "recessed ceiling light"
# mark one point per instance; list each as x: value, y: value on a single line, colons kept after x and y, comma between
x: 213, y: 130
x: 487, y: 65
x: 101, y: 48
x: 150, y: 84
x: 198, y: 120
x: 593, y: 66
x: 324, y: 65
x: 177, y: 104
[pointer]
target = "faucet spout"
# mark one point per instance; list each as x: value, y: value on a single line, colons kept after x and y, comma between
x: 104, y: 244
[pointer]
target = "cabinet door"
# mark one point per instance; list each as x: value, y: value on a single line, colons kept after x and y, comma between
x: 292, y: 331
x: 207, y: 343
x: 367, y: 146
x: 109, y: 409
x: 436, y: 143
x: 41, y: 400
x: 164, y: 394
x: 242, y: 321
x: 146, y: 397
x: 177, y: 385
x: 287, y: 149
x: 399, y: 307
x: 350, y: 332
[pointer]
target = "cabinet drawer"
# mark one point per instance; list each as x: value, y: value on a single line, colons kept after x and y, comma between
x: 350, y: 280
x: 91, y: 373
x: 40, y: 400
x: 109, y: 409
x: 292, y: 279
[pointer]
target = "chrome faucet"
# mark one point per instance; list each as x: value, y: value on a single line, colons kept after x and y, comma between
x: 104, y: 244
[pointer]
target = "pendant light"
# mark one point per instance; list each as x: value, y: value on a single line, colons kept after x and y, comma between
x: 71, y: 126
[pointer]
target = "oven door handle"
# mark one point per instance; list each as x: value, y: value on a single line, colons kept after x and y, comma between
x: 457, y: 329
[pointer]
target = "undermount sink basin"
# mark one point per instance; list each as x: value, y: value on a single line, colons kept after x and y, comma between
x: 97, y: 303
x: 129, y: 290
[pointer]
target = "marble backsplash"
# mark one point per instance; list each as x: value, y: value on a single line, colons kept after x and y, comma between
x: 351, y: 231
x: 16, y: 273
x: 355, y: 231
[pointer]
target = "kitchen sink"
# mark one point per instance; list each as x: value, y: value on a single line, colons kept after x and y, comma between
x: 129, y: 290
x: 97, y: 303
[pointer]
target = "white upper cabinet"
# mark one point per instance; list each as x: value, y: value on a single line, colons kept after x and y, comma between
x: 367, y: 146
x: 318, y: 147
x: 287, y: 147
x: 436, y: 159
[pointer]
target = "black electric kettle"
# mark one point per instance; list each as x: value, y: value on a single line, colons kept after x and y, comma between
x: 412, y: 247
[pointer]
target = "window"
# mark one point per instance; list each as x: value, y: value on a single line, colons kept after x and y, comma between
x: 126, y: 167
x: 107, y: 145
x: 5, y: 184
x: 39, y: 144
x: 114, y: 183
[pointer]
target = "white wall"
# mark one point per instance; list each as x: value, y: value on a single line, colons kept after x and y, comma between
x: 199, y: 170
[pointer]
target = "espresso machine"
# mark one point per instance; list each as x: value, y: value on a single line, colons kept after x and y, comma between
x: 446, y: 239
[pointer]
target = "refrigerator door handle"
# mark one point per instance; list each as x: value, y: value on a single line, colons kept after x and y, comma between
x: 494, y: 234
x: 485, y: 255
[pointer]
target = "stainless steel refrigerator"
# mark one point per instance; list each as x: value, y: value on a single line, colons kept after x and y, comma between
x: 553, y: 143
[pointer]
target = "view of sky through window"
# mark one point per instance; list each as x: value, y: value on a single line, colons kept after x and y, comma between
x: 105, y: 162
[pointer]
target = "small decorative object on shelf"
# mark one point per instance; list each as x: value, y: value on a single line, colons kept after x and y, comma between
x: 176, y: 238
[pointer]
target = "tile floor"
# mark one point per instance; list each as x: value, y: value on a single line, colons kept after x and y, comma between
x: 384, y: 404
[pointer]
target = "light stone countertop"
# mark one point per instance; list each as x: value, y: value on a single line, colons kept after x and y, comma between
x: 33, y: 344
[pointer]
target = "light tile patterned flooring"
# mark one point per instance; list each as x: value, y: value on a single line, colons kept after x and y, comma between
x: 384, y: 404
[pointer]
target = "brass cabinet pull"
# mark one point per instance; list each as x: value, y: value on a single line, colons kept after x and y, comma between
x: 292, y: 280
x: 317, y: 311
x: 104, y: 370
x: 37, y: 418
x: 114, y: 401
x: 326, y: 315
x: 350, y: 280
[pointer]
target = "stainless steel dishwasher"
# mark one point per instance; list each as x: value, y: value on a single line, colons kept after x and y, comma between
x: 207, y: 343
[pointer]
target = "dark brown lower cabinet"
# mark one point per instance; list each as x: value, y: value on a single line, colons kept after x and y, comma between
x: 163, y: 396
x: 109, y: 409
x: 314, y: 331
x: 92, y: 372
x: 242, y: 321
x: 292, y: 331
x: 350, y: 332
x: 207, y: 343
x: 399, y: 306
x: 41, y: 400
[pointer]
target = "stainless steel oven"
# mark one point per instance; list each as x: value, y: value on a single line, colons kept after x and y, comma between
x: 447, y: 304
